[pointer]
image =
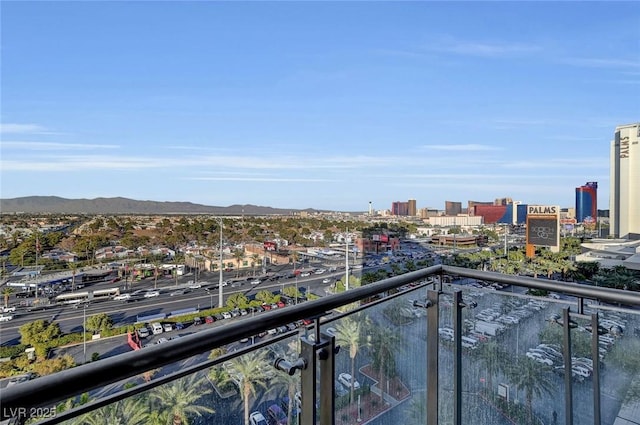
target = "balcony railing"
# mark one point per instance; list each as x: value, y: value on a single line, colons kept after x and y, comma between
x: 423, y: 347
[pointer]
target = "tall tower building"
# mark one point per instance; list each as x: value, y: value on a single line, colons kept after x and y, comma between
x: 452, y: 208
x: 412, y: 207
x: 624, y: 199
x: 587, y: 203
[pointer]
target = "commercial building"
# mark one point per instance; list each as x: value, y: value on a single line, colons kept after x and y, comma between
x: 624, y: 198
x: 471, y: 204
x: 452, y: 208
x: 412, y: 207
x: 587, y: 203
x: 400, y: 208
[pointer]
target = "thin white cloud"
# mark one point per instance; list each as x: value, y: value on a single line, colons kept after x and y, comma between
x: 546, y: 163
x: 263, y: 179
x: 463, y: 148
x: 481, y: 48
x: 6, y: 128
x: 52, y: 146
x: 603, y: 63
x: 13, y: 128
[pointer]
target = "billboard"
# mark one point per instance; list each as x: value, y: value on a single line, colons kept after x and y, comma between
x: 543, y: 226
x: 380, y: 238
x: 270, y: 246
x: 542, y: 231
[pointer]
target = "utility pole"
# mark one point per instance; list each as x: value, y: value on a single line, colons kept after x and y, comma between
x: 346, y: 268
x: 220, y: 295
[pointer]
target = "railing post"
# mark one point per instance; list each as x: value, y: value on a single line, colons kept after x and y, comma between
x: 568, y: 373
x: 327, y: 356
x: 433, y: 341
x: 595, y: 356
x: 457, y: 357
x: 308, y: 383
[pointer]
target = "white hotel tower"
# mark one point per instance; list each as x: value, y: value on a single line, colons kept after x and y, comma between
x: 624, y: 199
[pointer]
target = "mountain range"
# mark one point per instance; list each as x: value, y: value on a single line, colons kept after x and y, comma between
x: 55, y: 204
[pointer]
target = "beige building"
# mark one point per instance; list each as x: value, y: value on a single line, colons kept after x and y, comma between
x: 624, y: 197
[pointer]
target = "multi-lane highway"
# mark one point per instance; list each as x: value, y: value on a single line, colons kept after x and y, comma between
x: 70, y: 318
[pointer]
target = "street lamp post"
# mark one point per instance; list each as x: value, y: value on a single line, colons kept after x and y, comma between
x: 220, y: 300
x: 84, y: 332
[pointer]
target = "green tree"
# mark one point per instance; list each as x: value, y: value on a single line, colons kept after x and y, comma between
x: 248, y: 369
x: 238, y: 255
x: 254, y: 262
x: 156, y: 269
x: 39, y: 334
x: 348, y: 334
x: 527, y: 375
x: 6, y: 293
x: 130, y: 411
x: 179, y: 398
x: 385, y: 343
x: 237, y: 300
x: 290, y: 385
x: 264, y: 296
x: 99, y: 322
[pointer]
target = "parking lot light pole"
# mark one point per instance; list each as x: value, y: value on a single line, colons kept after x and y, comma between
x: 220, y: 297
x: 84, y: 332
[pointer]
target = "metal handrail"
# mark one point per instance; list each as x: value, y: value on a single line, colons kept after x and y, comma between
x: 60, y: 386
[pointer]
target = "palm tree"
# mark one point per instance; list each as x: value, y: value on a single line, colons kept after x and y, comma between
x: 238, y: 255
x: 493, y: 357
x: 249, y: 372
x: 156, y: 266
x: 291, y: 384
x: 6, y: 293
x: 74, y: 268
x: 129, y: 411
x: 348, y: 333
x: 527, y: 375
x: 254, y: 262
x: 179, y: 398
x: 384, y: 345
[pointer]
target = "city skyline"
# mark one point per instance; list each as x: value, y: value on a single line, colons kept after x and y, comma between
x: 315, y: 105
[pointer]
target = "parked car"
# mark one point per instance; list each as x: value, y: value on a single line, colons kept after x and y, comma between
x: 226, y: 315
x: 347, y: 380
x: 143, y: 332
x: 162, y: 340
x: 197, y: 321
x: 257, y: 418
x: 168, y: 327
x: 208, y: 319
x: 277, y: 415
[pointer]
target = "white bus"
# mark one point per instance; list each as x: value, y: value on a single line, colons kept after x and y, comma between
x: 87, y: 296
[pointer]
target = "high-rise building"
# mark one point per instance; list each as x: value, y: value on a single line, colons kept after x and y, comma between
x: 412, y: 207
x: 624, y: 199
x: 471, y: 204
x: 399, y: 208
x: 503, y: 201
x: 587, y: 203
x: 452, y: 208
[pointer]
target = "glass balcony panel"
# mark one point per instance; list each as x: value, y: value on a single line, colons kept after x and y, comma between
x: 230, y: 392
x: 380, y: 365
x: 503, y: 364
x: 619, y: 341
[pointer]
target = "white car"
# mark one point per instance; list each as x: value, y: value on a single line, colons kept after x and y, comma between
x: 5, y: 318
x: 305, y: 274
x: 195, y: 285
x: 255, y: 282
x: 152, y: 294
x: 326, y: 280
x: 162, y: 340
x: 122, y: 297
x: 143, y: 332
x: 257, y: 418
x: 168, y: 327
x: 346, y: 380
x: 539, y: 358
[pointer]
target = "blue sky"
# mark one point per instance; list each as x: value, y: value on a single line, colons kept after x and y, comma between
x: 325, y: 105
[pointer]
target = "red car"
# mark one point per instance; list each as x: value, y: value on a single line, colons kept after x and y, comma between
x: 209, y: 319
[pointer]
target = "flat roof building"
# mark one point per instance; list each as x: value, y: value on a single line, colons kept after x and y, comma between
x: 624, y: 199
